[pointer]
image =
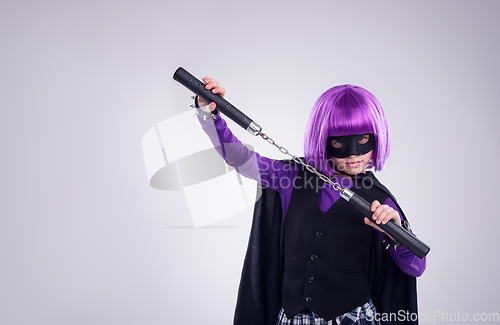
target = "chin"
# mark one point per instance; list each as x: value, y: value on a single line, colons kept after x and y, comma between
x: 355, y: 171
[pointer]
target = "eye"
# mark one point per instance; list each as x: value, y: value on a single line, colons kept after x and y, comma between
x: 337, y: 144
x: 364, y: 139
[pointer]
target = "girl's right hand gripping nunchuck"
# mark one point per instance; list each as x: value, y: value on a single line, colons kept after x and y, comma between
x: 198, y: 87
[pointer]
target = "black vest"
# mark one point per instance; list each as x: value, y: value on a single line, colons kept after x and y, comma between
x: 326, y: 256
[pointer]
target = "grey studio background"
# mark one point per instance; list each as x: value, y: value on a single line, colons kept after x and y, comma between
x: 84, y: 238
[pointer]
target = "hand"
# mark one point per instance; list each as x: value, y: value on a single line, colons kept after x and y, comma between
x: 216, y: 89
x: 382, y: 213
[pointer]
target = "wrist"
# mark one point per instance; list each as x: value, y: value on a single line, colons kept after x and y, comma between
x: 390, y: 242
x: 201, y: 112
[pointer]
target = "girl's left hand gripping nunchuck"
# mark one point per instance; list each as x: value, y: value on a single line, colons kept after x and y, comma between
x: 414, y: 245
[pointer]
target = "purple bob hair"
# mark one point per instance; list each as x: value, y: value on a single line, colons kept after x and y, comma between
x: 345, y: 110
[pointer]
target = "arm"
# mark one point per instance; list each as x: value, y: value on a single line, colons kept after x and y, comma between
x: 406, y: 260
x: 266, y: 171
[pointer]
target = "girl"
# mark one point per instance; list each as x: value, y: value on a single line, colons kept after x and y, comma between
x: 311, y: 260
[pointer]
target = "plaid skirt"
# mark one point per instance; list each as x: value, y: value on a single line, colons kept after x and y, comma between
x: 363, y: 315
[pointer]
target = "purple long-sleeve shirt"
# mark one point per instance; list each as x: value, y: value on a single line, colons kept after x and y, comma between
x: 280, y: 177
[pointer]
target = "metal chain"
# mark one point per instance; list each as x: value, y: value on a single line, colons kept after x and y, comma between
x: 336, y: 186
x: 324, y: 178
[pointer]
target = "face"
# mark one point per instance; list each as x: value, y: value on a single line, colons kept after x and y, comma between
x: 354, y: 163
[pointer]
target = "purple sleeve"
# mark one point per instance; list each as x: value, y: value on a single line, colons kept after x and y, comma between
x: 406, y: 260
x: 268, y: 172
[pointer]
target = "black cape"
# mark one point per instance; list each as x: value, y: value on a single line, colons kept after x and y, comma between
x: 393, y: 292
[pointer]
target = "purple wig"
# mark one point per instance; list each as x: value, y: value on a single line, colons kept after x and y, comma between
x: 345, y: 110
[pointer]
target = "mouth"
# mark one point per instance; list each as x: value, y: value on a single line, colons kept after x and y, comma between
x: 353, y: 164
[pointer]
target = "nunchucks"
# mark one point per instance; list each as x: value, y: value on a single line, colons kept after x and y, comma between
x: 407, y: 239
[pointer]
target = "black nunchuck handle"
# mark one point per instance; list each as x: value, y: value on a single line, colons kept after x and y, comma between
x: 414, y: 245
x: 198, y: 87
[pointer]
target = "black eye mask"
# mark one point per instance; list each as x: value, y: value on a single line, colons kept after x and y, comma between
x: 351, y: 146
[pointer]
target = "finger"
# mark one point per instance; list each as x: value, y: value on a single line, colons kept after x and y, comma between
x: 379, y: 210
x: 207, y: 80
x: 219, y: 90
x: 211, y: 85
x: 212, y: 106
x: 216, y: 89
x: 383, y: 213
x: 395, y: 217
x: 384, y: 216
x: 374, y: 206
x: 388, y: 214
